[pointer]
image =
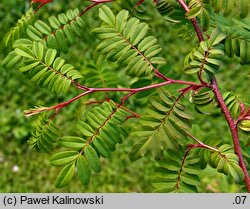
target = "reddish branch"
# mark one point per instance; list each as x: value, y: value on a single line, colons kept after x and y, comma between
x: 244, y: 114
x: 234, y: 131
x: 95, y: 3
x: 232, y: 124
x: 201, y: 144
x: 194, y: 21
x: 42, y: 2
x: 131, y: 91
x: 189, y: 148
x: 139, y: 3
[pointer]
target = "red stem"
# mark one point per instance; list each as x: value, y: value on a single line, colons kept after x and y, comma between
x: 232, y: 124
x: 88, y: 90
x: 58, y: 107
x: 89, y: 7
x: 136, y: 6
x: 194, y: 21
x: 191, y: 146
x: 234, y: 131
x: 94, y: 4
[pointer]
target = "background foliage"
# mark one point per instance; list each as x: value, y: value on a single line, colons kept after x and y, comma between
x: 118, y: 174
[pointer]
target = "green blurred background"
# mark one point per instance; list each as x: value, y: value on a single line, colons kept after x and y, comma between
x: 24, y: 170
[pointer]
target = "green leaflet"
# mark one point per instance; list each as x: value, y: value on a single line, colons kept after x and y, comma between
x: 205, y: 20
x: 18, y: 31
x: 69, y: 33
x: 107, y: 15
x: 58, y: 63
x: 34, y: 34
x: 190, y: 179
x: 245, y: 51
x: 45, y: 134
x: 42, y: 27
x: 146, y: 43
x: 167, y: 10
x: 202, y: 99
x: 85, y: 129
x: 216, y: 37
x: 240, y: 48
x: 61, y: 30
x: 125, y: 41
x: 244, y: 8
x: 61, y: 40
x: 139, y: 34
x: 11, y: 60
x: 165, y: 122
x: 52, y: 42
x: 139, y: 149
x: 228, y: 7
x: 194, y: 12
x: 63, y: 18
x: 53, y: 21
x: 168, y: 178
x: 243, y: 23
x: 44, y: 66
x: 236, y: 172
x: 65, y: 175
x: 217, y: 5
x: 65, y: 157
x: 38, y: 50
x: 83, y: 170
x: 121, y: 20
x: 29, y: 66
x: 71, y: 142
x: 237, y: 37
x: 102, y: 141
x: 226, y: 161
x: 233, y: 103
x: 245, y: 125
x: 196, y: 60
x: 109, y: 132
x: 100, y: 75
x: 92, y: 158
x: 22, y: 41
x: 101, y: 132
x: 50, y: 56
x: 102, y: 147
x: 24, y: 52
